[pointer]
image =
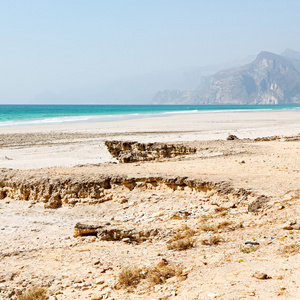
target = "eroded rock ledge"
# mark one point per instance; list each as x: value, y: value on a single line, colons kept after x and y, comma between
x: 57, y: 190
x: 128, y: 152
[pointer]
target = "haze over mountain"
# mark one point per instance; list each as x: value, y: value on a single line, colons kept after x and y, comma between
x: 269, y: 79
x: 139, y: 89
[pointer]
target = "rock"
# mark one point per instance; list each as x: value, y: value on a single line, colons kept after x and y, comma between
x: 212, y: 295
x: 129, y: 233
x: 257, y: 204
x: 128, y: 152
x: 97, y: 297
x: 261, y: 276
x: 291, y: 225
x: 99, y: 281
x: 54, y: 202
x: 162, y: 263
x: 88, y: 228
x: 232, y: 137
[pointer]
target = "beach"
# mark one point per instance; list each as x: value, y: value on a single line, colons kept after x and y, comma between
x: 216, y: 218
x: 46, y: 146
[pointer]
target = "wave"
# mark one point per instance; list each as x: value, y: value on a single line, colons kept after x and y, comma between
x: 110, y: 117
x: 180, y: 112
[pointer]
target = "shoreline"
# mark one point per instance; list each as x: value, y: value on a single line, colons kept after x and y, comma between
x: 83, y: 143
x: 113, y: 115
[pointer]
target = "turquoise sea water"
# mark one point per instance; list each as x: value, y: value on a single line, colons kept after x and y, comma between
x: 18, y: 115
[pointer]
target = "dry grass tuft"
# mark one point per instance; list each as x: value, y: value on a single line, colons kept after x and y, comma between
x: 290, y: 249
x: 215, y: 227
x: 182, y: 244
x: 205, y: 218
x: 158, y: 275
x: 35, y: 293
x: 132, y: 276
x: 213, y: 240
x: 248, y: 249
x: 223, y: 213
x: 183, y: 239
x: 220, y: 209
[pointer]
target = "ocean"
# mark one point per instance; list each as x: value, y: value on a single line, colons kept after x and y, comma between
x: 22, y: 115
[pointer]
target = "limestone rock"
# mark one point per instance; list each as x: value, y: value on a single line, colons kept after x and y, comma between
x: 88, y: 228
x: 128, y: 152
x: 261, y: 276
x: 115, y: 231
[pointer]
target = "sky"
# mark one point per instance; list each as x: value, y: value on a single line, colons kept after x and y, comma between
x: 60, y: 47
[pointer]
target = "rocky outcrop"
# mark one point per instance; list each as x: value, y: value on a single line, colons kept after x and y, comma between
x: 114, y: 231
x: 128, y: 152
x: 58, y: 190
x: 269, y: 79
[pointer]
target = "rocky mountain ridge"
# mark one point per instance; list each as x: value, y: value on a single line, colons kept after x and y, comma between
x: 269, y: 79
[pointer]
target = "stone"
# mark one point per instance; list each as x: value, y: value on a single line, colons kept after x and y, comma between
x: 260, y: 275
x: 232, y: 137
x: 54, y: 202
x: 130, y: 151
x: 96, y: 297
x: 88, y: 228
x: 256, y: 205
x: 289, y: 225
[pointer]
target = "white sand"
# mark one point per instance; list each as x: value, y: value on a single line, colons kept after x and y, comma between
x: 90, y: 147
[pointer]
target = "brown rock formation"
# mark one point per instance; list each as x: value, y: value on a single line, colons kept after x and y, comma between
x: 127, y: 152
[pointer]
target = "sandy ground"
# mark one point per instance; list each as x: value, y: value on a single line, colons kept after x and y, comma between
x: 38, y: 248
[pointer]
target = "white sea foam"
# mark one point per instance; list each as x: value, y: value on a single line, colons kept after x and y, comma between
x: 119, y: 117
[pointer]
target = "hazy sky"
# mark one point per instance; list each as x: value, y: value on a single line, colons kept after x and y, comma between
x: 59, y: 45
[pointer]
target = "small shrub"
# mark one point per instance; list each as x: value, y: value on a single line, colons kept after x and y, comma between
x: 213, y: 240
x: 35, y: 293
x: 182, y: 244
x: 158, y: 275
x: 215, y: 227
x: 290, y: 249
x: 130, y: 276
x: 249, y: 249
x: 183, y: 239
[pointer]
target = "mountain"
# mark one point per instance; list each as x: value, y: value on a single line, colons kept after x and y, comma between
x: 269, y: 79
x: 136, y: 89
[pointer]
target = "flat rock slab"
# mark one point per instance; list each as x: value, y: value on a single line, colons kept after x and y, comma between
x: 88, y: 227
x: 115, y: 231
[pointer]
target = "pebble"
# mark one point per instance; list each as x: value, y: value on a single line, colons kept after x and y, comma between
x: 261, y: 276
x: 99, y: 281
x: 213, y: 295
x: 97, y: 297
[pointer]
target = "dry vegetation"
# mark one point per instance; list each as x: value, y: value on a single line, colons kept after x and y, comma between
x: 132, y: 276
x: 213, y: 240
x: 183, y: 239
x: 35, y: 293
x: 290, y: 249
x: 248, y: 249
x: 215, y: 227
